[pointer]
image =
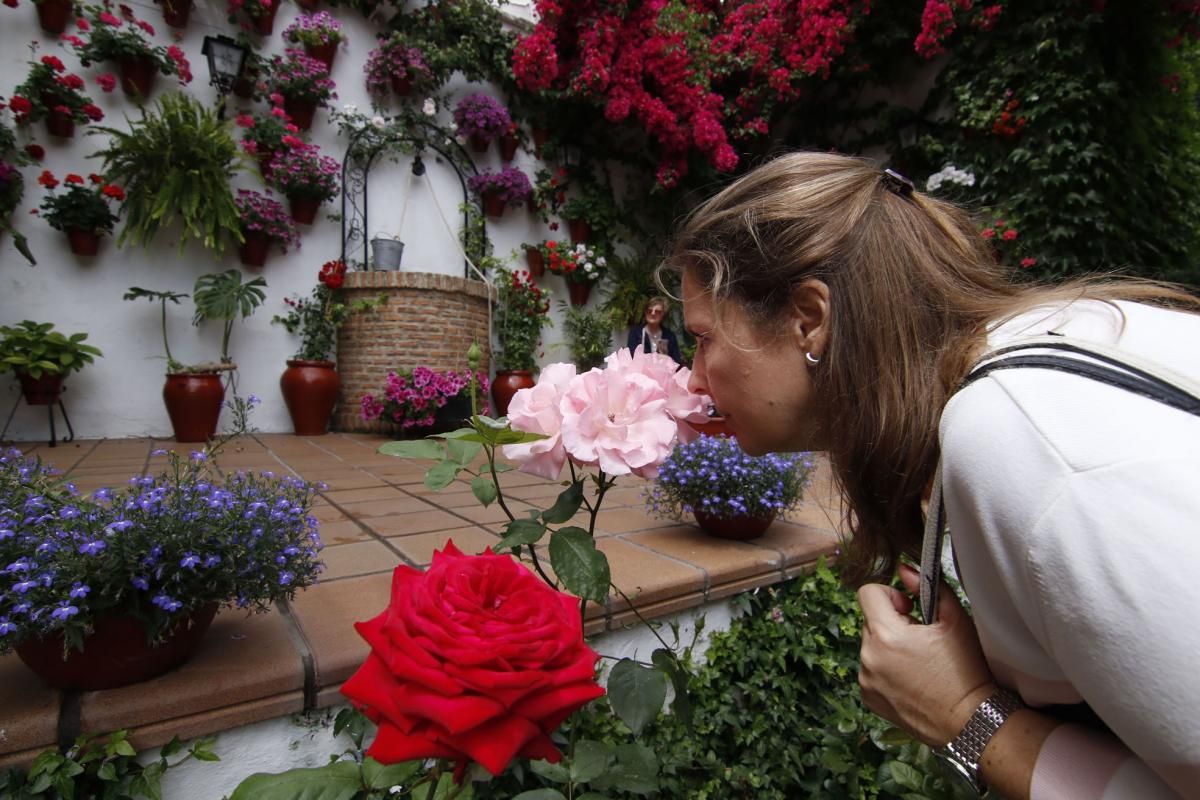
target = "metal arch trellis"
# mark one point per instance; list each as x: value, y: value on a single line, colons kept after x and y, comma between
x: 356, y: 172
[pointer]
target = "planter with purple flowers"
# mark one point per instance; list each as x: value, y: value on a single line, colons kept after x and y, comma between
x: 304, y: 84
x: 262, y: 218
x: 481, y: 118
x: 398, y: 67
x: 319, y: 34
x: 508, y: 187
x: 306, y: 178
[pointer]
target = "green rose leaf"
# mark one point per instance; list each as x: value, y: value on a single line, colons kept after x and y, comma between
x: 682, y: 705
x: 441, y: 475
x: 463, y: 435
x: 566, y: 505
x: 582, y: 568
x: 378, y: 776
x: 484, y: 489
x: 551, y: 772
x: 519, y: 532
x: 337, y: 781
x: 589, y: 760
x: 462, y: 452
x: 636, y: 771
x: 541, y: 794
x: 417, y: 448
x: 636, y: 693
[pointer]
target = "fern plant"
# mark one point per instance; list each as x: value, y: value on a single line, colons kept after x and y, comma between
x: 175, y: 164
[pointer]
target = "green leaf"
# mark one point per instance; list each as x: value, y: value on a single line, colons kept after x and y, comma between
x: 636, y: 693
x: 681, y: 707
x: 107, y: 772
x: 484, y: 489
x: 592, y: 796
x: 565, y: 506
x: 541, y: 794
x: 636, y: 771
x: 519, y: 532
x: 123, y: 748
x: 171, y: 748
x: 337, y: 781
x: 582, y: 568
x: 589, y: 760
x: 416, y: 448
x: 551, y: 772
x: 441, y: 475
x: 463, y: 434
x: 379, y: 776
x: 462, y: 452
x: 205, y: 755
x: 905, y: 775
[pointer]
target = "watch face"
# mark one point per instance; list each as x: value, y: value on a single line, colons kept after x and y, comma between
x: 957, y: 777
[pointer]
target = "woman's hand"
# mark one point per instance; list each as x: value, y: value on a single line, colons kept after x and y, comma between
x: 926, y: 679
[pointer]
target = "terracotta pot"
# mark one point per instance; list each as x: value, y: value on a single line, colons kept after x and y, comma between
x: 264, y: 164
x: 715, y: 426
x: 540, y: 135
x: 83, y: 243
x: 60, y: 124
x: 536, y: 262
x: 264, y: 25
x: 739, y: 527
x: 244, y: 87
x: 493, y: 204
x: 479, y: 143
x: 137, y: 77
x: 508, y: 146
x: 253, y: 251
x: 325, y: 53
x: 402, y: 85
x: 115, y: 653
x: 301, y: 112
x: 304, y: 209
x: 194, y: 405
x: 176, y: 12
x: 308, y: 5
x: 310, y: 390
x: 580, y: 230
x: 578, y: 292
x: 508, y: 382
x: 53, y: 15
x: 43, y: 391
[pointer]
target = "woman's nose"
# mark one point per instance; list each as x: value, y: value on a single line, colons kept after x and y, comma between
x: 698, y: 382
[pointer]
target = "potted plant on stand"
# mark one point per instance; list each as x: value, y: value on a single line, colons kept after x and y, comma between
x: 42, y: 357
x: 310, y: 383
x: 580, y: 267
x: 480, y: 118
x: 148, y: 566
x: 51, y: 93
x: 194, y: 393
x: 263, y: 222
x: 306, y: 178
x: 123, y: 41
x: 508, y: 187
x: 304, y: 84
x: 732, y: 495
x: 522, y: 312
x: 319, y: 34
x: 398, y: 66
x: 174, y: 164
x: 82, y: 212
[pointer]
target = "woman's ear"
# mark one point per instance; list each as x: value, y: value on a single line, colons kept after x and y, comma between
x: 810, y: 315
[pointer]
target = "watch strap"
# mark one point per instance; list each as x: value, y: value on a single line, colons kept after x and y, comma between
x: 967, y: 748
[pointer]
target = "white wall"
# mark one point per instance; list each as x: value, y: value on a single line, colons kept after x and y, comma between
x: 120, y: 395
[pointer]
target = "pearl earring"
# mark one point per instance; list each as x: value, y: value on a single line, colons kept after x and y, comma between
x: 811, y: 359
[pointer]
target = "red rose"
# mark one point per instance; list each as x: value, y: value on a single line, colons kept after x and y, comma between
x: 474, y: 659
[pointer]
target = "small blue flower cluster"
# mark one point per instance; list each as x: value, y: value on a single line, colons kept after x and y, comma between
x: 156, y: 549
x: 713, y: 475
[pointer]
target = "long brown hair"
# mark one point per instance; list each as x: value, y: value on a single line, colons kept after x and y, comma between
x: 913, y: 290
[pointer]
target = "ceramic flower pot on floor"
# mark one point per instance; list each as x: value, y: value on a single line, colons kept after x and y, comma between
x: 43, y: 391
x: 740, y: 527
x: 194, y: 405
x: 310, y: 390
x: 508, y: 382
x: 115, y: 653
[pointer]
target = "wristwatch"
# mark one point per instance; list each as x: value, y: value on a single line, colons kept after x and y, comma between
x: 960, y: 758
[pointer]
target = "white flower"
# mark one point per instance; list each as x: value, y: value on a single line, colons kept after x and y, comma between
x: 949, y: 174
x: 601, y: 262
x: 429, y: 107
x: 350, y: 108
x: 379, y: 122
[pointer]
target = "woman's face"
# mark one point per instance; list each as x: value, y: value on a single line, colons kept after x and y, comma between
x: 757, y: 378
x: 654, y: 313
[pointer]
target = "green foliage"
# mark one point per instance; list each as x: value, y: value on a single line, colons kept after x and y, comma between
x: 223, y: 296
x: 36, y: 348
x: 1097, y: 161
x: 99, y: 767
x: 138, y: 293
x: 175, y: 164
x: 521, y: 307
x: 317, y: 320
x: 469, y: 36
x: 589, y: 335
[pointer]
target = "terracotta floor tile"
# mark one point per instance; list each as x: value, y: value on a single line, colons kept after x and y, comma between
x: 350, y: 479
x: 619, y: 520
x: 645, y: 576
x: 241, y: 660
x: 344, y: 496
x: 414, y: 522
x: 327, y: 513
x: 360, y: 558
x: 326, y: 614
x: 722, y: 560
x: 798, y: 544
x: 493, y: 516
x: 343, y: 532
x: 398, y: 504
x: 419, y: 548
x: 29, y: 718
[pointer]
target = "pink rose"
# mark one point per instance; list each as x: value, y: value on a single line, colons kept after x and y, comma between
x: 683, y: 405
x: 536, y: 411
x: 617, y: 419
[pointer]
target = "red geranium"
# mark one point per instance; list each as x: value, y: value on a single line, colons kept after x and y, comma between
x: 73, y: 178
x: 113, y: 191
x: 20, y: 105
x: 35, y: 151
x: 474, y: 659
x: 54, y: 63
x: 47, y: 179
